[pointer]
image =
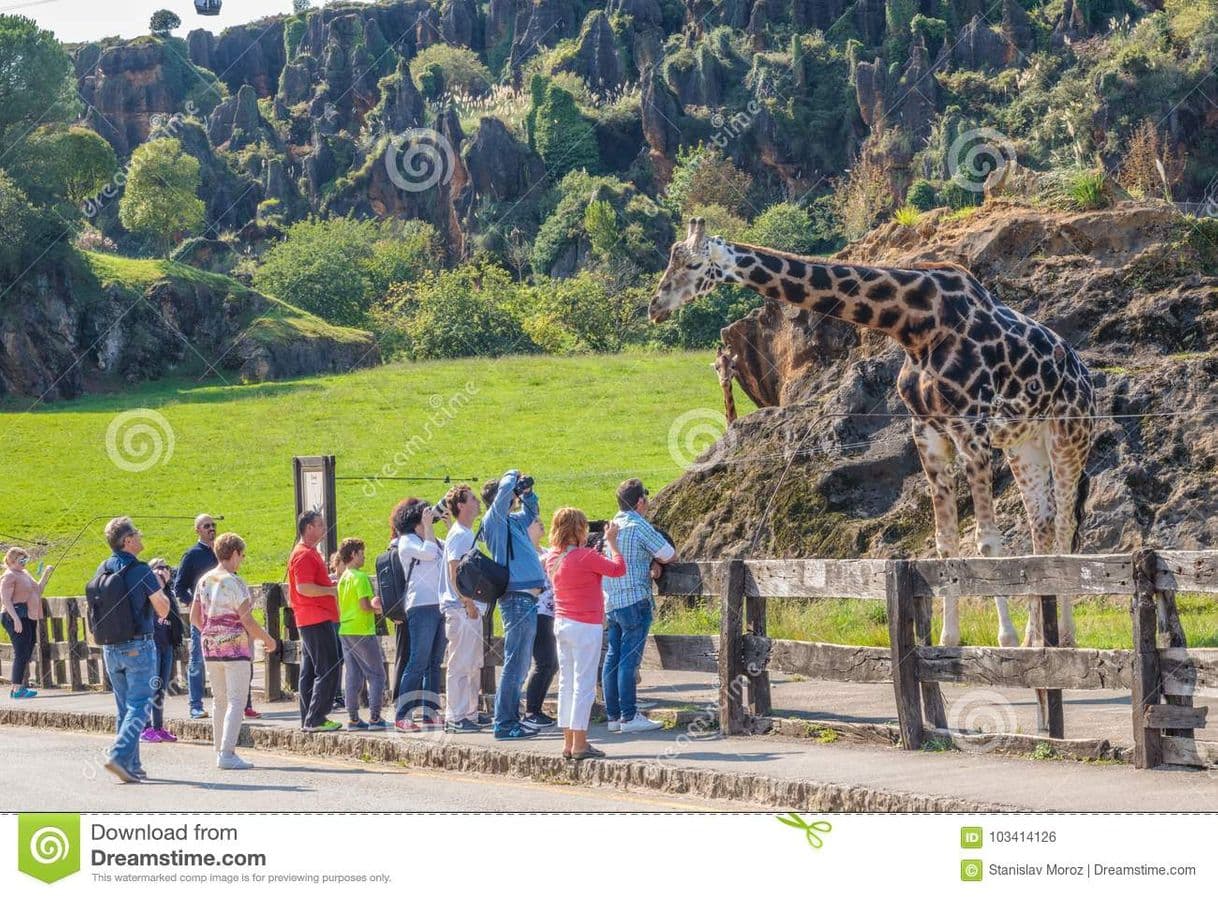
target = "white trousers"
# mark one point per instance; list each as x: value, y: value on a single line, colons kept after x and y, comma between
x: 463, y: 665
x: 230, y: 685
x: 579, y: 654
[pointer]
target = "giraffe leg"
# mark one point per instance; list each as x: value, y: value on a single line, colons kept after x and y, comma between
x: 1033, y: 475
x: 979, y: 468
x: 936, y: 453
x: 1069, y: 441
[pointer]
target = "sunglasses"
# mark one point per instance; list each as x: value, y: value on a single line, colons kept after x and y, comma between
x: 23, y: 561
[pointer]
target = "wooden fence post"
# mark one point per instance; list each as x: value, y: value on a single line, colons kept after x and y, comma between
x: 1147, y: 677
x: 933, y: 711
x: 58, y: 637
x: 1050, y: 718
x: 760, y: 702
x: 731, y: 651
x: 42, y: 649
x: 272, y: 670
x: 1172, y: 635
x: 292, y: 633
x: 76, y: 651
x: 898, y: 589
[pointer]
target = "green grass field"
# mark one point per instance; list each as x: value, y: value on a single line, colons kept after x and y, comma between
x: 580, y: 425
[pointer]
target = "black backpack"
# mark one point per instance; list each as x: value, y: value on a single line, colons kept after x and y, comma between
x: 111, y: 621
x: 481, y: 577
x: 391, y: 584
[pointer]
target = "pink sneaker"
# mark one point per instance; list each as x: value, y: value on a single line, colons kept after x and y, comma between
x: 166, y: 735
x: 151, y: 735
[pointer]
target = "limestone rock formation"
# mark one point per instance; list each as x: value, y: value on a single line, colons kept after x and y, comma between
x: 597, y: 58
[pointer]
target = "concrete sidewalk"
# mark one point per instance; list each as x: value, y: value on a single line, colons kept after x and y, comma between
x: 764, y: 770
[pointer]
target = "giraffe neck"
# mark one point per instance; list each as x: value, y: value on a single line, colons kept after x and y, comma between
x: 900, y: 303
x: 729, y: 400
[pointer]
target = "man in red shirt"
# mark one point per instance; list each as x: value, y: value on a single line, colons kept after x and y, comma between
x: 314, y: 600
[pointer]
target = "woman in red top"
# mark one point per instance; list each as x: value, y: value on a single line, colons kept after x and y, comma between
x: 579, y: 617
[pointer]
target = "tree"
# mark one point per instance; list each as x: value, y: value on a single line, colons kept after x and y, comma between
x: 164, y: 21
x: 703, y: 176
x: 160, y: 201
x: 564, y: 138
x: 57, y: 163
x: 35, y: 77
x: 299, y: 6
x: 786, y: 227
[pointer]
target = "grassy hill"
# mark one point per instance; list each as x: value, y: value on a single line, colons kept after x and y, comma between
x: 580, y: 425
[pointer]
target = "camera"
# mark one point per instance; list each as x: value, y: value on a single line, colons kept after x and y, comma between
x: 439, y: 509
x: 523, y: 485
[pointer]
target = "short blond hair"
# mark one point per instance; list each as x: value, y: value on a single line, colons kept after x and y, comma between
x: 568, y: 527
x: 15, y: 552
x: 228, y: 544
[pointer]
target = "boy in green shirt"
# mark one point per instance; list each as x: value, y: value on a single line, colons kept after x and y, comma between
x: 363, y: 660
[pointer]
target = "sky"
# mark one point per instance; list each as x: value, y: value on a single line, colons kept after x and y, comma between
x: 81, y: 20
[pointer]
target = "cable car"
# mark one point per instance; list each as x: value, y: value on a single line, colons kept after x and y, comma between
x: 207, y: 7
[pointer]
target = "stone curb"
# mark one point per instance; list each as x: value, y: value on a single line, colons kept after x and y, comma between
x: 626, y: 775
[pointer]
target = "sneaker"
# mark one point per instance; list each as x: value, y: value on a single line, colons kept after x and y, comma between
x: 463, y: 727
x: 357, y: 725
x: 151, y: 735
x: 516, y: 733
x: 124, y: 775
x: 379, y: 725
x: 640, y: 723
x: 615, y: 725
x: 328, y: 726
x: 251, y: 713
x: 232, y: 761
x: 140, y: 774
x: 166, y: 735
x: 199, y: 714
x: 538, y: 721
x: 407, y: 725
x: 25, y: 692
x: 485, y: 719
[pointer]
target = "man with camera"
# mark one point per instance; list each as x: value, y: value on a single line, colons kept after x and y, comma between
x: 628, y: 608
x: 511, y: 507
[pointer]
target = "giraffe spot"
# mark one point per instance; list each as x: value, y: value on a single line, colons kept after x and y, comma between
x: 905, y: 278
x: 991, y: 353
x: 828, y: 305
x: 1027, y: 368
x: 881, y: 292
x: 849, y: 286
x: 797, y: 269
x: 983, y: 328
x: 916, y: 327
x: 954, y: 311
x: 773, y: 292
x: 745, y: 260
x: 920, y: 294
x: 948, y: 283
x: 1040, y: 341
x: 1049, y: 376
x: 862, y: 314
x: 889, y: 318
x: 773, y: 262
x: 866, y: 275
x: 794, y: 291
x: 757, y: 275
x: 1069, y: 389
x: 820, y: 278
x: 840, y: 271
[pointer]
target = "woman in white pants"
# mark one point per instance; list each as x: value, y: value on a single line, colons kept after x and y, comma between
x: 579, y: 618
x: 222, y: 612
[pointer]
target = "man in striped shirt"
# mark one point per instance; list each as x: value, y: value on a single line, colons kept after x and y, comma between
x: 628, y: 608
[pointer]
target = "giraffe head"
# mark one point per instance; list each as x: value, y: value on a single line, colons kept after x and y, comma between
x: 696, y: 265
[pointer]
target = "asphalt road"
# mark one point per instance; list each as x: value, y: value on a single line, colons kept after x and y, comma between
x: 51, y: 771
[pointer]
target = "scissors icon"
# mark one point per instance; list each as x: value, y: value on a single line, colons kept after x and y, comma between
x: 809, y: 829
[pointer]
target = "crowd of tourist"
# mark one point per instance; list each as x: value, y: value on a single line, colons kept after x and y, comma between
x: 560, y: 606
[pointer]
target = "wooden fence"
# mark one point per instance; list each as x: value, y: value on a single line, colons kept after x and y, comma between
x: 1161, y: 672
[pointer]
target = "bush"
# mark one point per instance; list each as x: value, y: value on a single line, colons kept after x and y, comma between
x: 906, y: 215
x: 786, y: 227
x: 721, y: 222
x: 560, y: 133
x: 461, y: 69
x: 582, y: 314
x: 703, y: 176
x: 452, y: 314
x: 922, y: 195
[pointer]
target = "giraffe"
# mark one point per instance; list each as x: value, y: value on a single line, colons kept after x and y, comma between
x: 977, y: 376
x: 725, y: 367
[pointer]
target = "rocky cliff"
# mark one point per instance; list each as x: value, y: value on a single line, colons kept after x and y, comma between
x: 827, y: 467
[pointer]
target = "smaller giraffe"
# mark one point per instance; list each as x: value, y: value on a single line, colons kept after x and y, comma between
x: 725, y: 367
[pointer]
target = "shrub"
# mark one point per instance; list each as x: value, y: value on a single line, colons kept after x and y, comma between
x: 922, y: 195
x: 784, y: 226
x: 721, y: 222
x: 1076, y: 188
x: 863, y: 196
x: 906, y: 215
x: 562, y: 136
x: 703, y: 176
x: 583, y: 314
x: 460, y: 67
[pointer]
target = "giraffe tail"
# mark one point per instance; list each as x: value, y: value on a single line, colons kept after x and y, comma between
x: 1080, y: 509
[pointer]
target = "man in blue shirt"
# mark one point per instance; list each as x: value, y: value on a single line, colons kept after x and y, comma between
x: 506, y: 531
x: 131, y: 665
x: 628, y: 608
x: 197, y: 560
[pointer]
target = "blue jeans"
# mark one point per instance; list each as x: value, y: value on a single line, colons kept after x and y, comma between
x: 519, y: 613
x: 164, y: 672
x: 194, y: 671
x: 132, y: 669
x: 420, y: 685
x: 628, y: 628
